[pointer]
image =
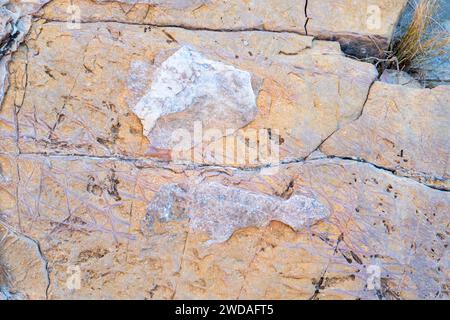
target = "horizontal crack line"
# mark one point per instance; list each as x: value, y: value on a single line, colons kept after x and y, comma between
x: 327, y: 36
x: 392, y: 171
x: 144, y: 162
x: 179, y: 26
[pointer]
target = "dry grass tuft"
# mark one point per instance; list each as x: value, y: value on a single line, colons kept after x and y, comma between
x: 423, y: 41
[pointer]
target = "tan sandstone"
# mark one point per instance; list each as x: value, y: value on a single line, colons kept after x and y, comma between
x: 90, y: 213
x: 402, y: 129
x: 362, y: 27
x: 305, y: 89
x: 90, y: 208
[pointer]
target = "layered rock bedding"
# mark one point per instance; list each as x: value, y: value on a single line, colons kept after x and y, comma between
x: 216, y: 150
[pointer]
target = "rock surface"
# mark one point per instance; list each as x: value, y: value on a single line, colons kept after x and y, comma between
x: 305, y: 89
x: 351, y: 203
x: 220, y: 210
x: 402, y: 129
x: 91, y: 213
x: 188, y: 88
x: 23, y: 270
x: 399, y: 77
x: 15, y: 21
x: 362, y: 26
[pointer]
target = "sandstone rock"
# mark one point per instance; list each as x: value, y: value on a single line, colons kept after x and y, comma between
x: 12, y: 102
x: 92, y: 207
x: 222, y: 210
x: 84, y: 216
x: 399, y: 77
x: 189, y: 88
x: 402, y: 129
x: 305, y: 89
x: 15, y: 21
x: 23, y: 267
x: 362, y: 27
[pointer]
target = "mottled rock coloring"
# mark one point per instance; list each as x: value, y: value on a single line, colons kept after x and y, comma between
x: 221, y: 210
x: 87, y: 212
x: 190, y: 88
x: 15, y: 21
x: 23, y: 270
x: 403, y: 129
x: 363, y: 27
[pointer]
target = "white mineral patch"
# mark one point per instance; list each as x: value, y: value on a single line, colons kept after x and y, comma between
x: 138, y: 80
x: 211, y: 92
x: 220, y: 210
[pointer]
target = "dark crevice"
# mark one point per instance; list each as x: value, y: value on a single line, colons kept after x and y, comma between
x: 46, y: 266
x: 306, y: 17
x: 391, y: 171
x: 178, y: 26
x: 337, y: 129
x: 145, y: 162
x: 319, y: 285
x: 8, y: 42
x: 350, y: 42
x: 5, y: 46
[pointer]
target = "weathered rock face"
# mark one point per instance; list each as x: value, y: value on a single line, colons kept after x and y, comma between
x: 399, y: 77
x: 96, y: 202
x: 189, y: 88
x: 299, y: 85
x: 362, y: 26
x: 23, y: 273
x: 402, y: 129
x: 91, y: 213
x: 220, y: 210
x: 15, y: 21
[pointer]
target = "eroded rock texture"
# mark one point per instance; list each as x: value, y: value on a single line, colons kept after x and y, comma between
x: 403, y: 129
x: 363, y: 27
x: 220, y: 210
x: 188, y: 88
x: 89, y: 213
x: 15, y: 21
x: 23, y: 270
x: 96, y: 203
x: 305, y: 89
